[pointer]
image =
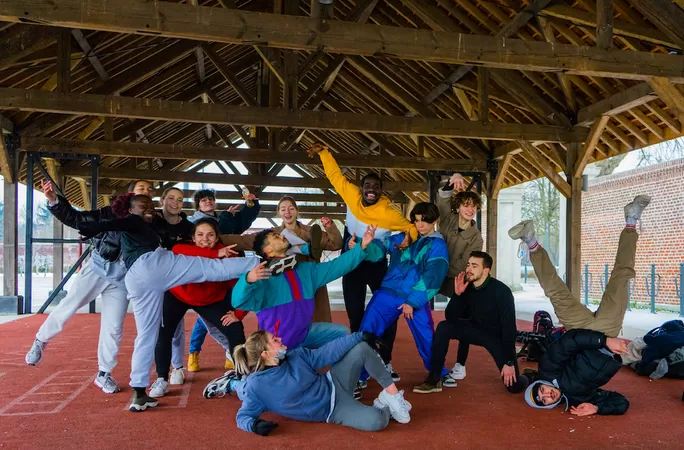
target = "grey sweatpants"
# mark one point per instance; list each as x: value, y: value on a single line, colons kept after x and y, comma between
x: 155, y: 273
x: 345, y: 374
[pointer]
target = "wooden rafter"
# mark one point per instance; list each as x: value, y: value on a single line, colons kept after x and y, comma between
x: 142, y: 150
x: 501, y: 175
x: 637, y: 95
x: 543, y: 164
x: 590, y: 145
x: 242, y: 180
x: 23, y: 40
x: 669, y: 94
x: 303, y: 33
x: 665, y: 15
x: 100, y: 105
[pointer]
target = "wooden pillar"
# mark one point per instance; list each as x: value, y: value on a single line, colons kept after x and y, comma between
x: 58, y: 233
x: 64, y: 61
x: 10, y: 279
x: 574, y: 222
x: 483, y: 93
x: 492, y: 229
x: 604, y: 24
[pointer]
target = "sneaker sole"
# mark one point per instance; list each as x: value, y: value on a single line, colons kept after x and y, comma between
x: 106, y: 391
x: 513, y: 232
x: 143, y: 407
x: 450, y: 385
x: 397, y: 378
x: 457, y: 377
x: 431, y: 391
x: 155, y: 394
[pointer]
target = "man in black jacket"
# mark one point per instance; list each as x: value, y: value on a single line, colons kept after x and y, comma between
x: 588, y: 356
x: 488, y: 304
x: 573, y: 370
x: 103, y: 274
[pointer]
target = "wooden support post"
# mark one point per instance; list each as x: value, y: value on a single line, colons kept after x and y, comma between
x: 420, y: 146
x: 492, y: 220
x: 574, y: 222
x: 604, y: 24
x: 10, y: 279
x: 109, y: 128
x: 64, y: 61
x: 482, y: 93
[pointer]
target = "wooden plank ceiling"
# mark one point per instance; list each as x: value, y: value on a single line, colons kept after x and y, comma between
x: 613, y: 115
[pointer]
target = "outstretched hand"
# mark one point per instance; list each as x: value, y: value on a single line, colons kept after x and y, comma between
x: 508, y: 375
x: 584, y: 409
x: 460, y: 284
x: 233, y: 209
x: 405, y: 243
x: 368, y: 236
x: 326, y: 222
x: 260, y: 272
x: 227, y: 252
x: 48, y: 190
x: 229, y: 318
x: 315, y: 149
x: 458, y: 182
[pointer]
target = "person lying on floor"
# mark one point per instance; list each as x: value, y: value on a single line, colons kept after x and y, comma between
x: 586, y: 357
x: 287, y: 382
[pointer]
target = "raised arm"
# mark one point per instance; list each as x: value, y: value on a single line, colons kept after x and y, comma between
x: 332, y: 238
x: 348, y: 191
x: 240, y: 221
x: 323, y: 273
x: 243, y: 243
x: 443, y: 202
x: 129, y: 224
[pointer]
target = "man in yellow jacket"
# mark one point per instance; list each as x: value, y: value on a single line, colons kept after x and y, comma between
x: 366, y: 205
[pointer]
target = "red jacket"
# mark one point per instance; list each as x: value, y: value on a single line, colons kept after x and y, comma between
x: 202, y: 294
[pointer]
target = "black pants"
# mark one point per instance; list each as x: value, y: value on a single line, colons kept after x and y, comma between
x: 354, y: 291
x: 173, y: 312
x: 467, y: 331
x: 447, y: 290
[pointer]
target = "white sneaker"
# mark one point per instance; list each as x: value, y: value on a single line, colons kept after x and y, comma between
x: 35, y: 355
x: 458, y: 372
x: 399, y: 410
x: 634, y: 209
x: 159, y: 388
x: 524, y: 230
x: 107, y: 383
x: 177, y: 377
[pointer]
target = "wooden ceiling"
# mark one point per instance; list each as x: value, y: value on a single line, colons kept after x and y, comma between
x: 452, y: 85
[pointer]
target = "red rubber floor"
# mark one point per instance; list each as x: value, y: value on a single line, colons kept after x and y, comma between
x: 55, y: 405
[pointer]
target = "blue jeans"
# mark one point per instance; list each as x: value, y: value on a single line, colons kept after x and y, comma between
x: 199, y: 333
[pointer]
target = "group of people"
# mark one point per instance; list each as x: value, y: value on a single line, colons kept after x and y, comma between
x: 165, y: 263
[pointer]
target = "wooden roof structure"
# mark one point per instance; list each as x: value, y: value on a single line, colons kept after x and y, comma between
x: 159, y: 89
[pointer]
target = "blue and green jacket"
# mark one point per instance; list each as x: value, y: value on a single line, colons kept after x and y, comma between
x: 417, y: 273
x: 284, y: 303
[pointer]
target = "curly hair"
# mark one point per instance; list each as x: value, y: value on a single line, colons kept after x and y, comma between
x: 465, y: 198
x: 203, y: 193
x: 261, y: 241
x: 122, y: 204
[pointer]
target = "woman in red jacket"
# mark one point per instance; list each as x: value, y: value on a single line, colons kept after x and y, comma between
x: 211, y: 300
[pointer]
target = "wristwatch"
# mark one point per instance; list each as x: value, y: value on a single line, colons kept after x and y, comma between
x: 509, y: 363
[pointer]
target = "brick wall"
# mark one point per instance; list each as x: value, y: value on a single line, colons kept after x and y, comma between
x: 661, y: 240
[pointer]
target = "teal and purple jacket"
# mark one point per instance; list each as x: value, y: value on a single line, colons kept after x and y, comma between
x: 284, y: 304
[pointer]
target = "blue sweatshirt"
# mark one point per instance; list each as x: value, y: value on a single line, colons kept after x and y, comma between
x: 294, y: 389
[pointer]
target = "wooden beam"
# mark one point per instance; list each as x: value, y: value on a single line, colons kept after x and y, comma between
x: 219, y: 178
x: 620, y: 27
x: 632, y: 97
x: 88, y: 52
x: 604, y: 24
x: 6, y: 125
x: 229, y: 76
x: 501, y: 176
x: 157, y: 109
x: 273, y: 209
x: 573, y: 223
x: 566, y: 85
x: 85, y: 194
x: 64, y: 61
x: 669, y: 94
x: 590, y: 145
x: 6, y: 166
x: 665, y: 15
x: 22, y: 40
x: 465, y: 102
x: 10, y: 239
x: 539, y: 160
x: 210, y: 153
x: 483, y: 94
x: 167, y: 19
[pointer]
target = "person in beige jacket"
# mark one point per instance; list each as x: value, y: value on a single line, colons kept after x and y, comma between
x: 457, y: 224
x: 330, y: 239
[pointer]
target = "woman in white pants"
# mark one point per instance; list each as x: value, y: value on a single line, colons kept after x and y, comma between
x: 153, y: 270
x: 102, y: 275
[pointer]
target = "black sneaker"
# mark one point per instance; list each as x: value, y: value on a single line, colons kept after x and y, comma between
x: 140, y: 402
x: 393, y: 374
x: 357, y: 391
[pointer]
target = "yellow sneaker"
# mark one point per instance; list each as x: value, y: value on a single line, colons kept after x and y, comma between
x: 229, y: 362
x: 193, y: 362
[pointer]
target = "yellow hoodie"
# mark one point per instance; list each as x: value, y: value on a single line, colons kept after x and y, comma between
x: 381, y: 213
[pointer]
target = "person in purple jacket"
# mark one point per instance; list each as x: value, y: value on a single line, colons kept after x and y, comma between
x: 288, y: 383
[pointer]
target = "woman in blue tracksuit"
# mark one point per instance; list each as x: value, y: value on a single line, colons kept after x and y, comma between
x: 153, y: 270
x: 288, y: 384
x: 413, y: 277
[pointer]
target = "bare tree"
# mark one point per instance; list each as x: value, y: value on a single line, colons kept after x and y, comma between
x: 541, y: 203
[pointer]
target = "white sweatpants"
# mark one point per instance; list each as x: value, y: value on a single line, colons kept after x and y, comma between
x: 155, y: 273
x: 86, y: 287
x: 216, y: 334
x: 178, y: 346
